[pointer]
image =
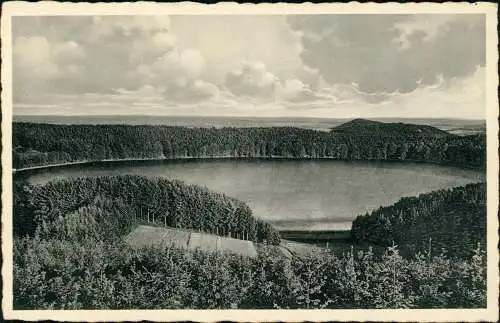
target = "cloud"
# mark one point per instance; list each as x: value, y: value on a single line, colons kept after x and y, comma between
x: 42, y: 59
x: 39, y: 65
x: 226, y: 40
x: 178, y: 66
x: 121, y: 27
x: 177, y: 74
x: 294, y: 90
x: 390, y: 53
x: 193, y: 91
x: 34, y: 54
x: 455, y: 97
x: 431, y: 25
x: 105, y: 54
x: 463, y: 96
x: 251, y: 79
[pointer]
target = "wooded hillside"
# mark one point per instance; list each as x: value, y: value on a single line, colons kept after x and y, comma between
x: 377, y: 128
x: 42, y: 144
x: 140, y: 200
x: 452, y: 219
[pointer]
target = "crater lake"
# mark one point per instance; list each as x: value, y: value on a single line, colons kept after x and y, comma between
x: 291, y: 194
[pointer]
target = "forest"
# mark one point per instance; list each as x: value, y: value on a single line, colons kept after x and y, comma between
x: 147, y: 200
x: 43, y: 144
x: 452, y: 219
x: 69, y: 253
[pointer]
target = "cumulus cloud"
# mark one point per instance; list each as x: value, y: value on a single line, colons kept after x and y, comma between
x: 39, y: 65
x: 294, y: 90
x: 460, y: 97
x: 109, y: 53
x: 34, y: 54
x: 389, y: 53
x: 174, y: 68
x: 42, y: 59
x: 193, y: 91
x: 251, y: 79
x: 464, y: 96
x: 227, y: 40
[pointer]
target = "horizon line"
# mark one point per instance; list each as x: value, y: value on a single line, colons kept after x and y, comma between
x: 242, y: 116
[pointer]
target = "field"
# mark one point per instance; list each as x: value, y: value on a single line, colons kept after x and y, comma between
x: 151, y: 236
x: 146, y: 236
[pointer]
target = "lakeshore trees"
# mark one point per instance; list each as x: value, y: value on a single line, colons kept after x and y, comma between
x: 452, y: 219
x: 42, y: 144
x: 137, y: 199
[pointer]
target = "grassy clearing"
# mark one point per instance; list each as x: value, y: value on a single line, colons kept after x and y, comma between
x: 150, y: 236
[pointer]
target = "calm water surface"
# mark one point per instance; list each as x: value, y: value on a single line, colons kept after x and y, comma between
x: 310, y: 195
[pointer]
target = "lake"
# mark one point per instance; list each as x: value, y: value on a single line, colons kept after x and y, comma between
x: 293, y: 194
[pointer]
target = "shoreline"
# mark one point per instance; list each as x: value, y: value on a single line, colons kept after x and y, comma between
x: 222, y: 157
x: 317, y: 236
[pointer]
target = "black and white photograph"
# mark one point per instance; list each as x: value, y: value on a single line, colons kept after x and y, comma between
x: 312, y: 158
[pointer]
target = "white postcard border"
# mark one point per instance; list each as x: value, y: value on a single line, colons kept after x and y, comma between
x: 10, y: 9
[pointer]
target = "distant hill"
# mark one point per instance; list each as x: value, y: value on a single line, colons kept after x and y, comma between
x: 372, y: 128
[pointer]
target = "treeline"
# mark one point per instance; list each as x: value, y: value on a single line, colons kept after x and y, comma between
x: 452, y: 219
x: 148, y: 200
x: 42, y: 144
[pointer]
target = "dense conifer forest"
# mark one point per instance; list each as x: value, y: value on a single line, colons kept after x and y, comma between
x: 43, y: 144
x: 155, y: 201
x: 453, y: 219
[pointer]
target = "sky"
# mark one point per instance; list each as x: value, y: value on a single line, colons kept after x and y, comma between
x: 332, y: 66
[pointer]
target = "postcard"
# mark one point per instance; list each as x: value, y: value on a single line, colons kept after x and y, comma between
x: 240, y: 162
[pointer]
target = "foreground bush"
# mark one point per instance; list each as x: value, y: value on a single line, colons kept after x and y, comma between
x: 93, y: 274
